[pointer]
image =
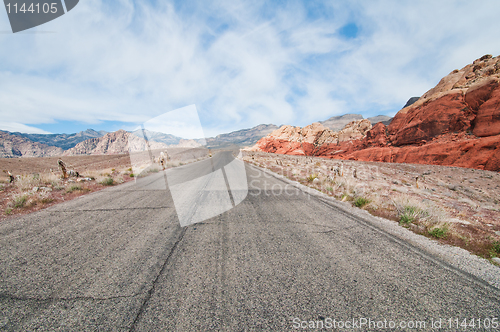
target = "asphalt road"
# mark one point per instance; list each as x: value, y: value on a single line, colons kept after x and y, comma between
x: 118, y: 260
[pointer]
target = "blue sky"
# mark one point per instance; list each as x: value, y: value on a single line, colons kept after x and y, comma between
x: 114, y: 64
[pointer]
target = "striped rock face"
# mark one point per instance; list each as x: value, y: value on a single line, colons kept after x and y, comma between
x: 456, y: 123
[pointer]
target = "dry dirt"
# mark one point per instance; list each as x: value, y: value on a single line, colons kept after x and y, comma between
x: 39, y: 184
x: 26, y: 166
x: 462, y: 202
x: 38, y: 181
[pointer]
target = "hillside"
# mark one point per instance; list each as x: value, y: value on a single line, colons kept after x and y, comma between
x: 63, y: 141
x: 241, y: 138
x: 456, y: 123
x: 13, y: 146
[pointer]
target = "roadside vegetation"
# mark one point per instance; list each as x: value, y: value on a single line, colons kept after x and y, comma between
x: 28, y: 192
x: 32, y: 192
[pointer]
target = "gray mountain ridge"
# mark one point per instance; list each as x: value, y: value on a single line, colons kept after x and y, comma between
x: 55, y: 144
x: 63, y: 141
x: 336, y: 123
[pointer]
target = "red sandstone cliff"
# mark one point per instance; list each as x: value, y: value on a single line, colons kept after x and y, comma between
x: 456, y: 123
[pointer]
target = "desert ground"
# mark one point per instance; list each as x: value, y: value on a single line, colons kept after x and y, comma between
x: 39, y: 183
x: 457, y: 206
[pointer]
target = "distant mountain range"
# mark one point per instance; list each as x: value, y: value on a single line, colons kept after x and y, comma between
x: 336, y: 123
x: 244, y: 137
x: 63, y: 141
x: 13, y: 145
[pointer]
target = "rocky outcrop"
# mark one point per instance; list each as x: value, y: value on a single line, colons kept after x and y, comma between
x: 456, y: 123
x: 420, y: 124
x: 117, y: 142
x: 308, y: 140
x: 355, y: 130
x: 337, y: 123
x: 14, y: 146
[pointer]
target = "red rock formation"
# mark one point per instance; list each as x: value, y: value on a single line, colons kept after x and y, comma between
x: 457, y: 123
x: 422, y: 123
x: 487, y: 121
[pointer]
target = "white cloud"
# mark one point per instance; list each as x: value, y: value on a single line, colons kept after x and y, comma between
x: 22, y: 128
x: 241, y: 63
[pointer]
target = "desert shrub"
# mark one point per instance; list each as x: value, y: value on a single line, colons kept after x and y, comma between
x: 46, y: 200
x: 346, y: 197
x: 409, y: 214
x: 496, y: 247
x: 51, y: 178
x: 311, y: 177
x: 108, y: 181
x: 410, y: 210
x: 26, y: 182
x: 19, y: 201
x: 131, y: 175
x: 330, y: 189
x: 439, y: 232
x: 361, y: 201
x: 345, y: 182
x: 73, y: 187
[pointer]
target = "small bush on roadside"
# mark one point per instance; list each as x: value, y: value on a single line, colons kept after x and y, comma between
x: 20, y: 201
x: 107, y: 181
x: 26, y: 182
x: 311, y: 177
x: 73, y: 187
x: 409, y: 214
x: 439, y: 232
x: 410, y: 210
x: 361, y: 201
x: 131, y: 175
x: 46, y: 200
x: 346, y: 197
x: 496, y: 247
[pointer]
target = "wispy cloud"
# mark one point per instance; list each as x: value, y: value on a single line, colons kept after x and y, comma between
x: 242, y: 63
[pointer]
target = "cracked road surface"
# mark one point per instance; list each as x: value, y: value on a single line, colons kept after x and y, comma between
x: 117, y: 260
